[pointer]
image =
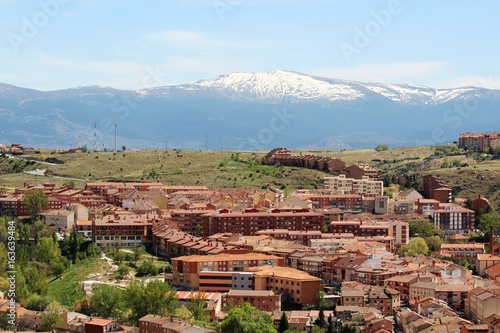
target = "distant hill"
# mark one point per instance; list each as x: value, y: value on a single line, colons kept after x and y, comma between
x: 247, y: 111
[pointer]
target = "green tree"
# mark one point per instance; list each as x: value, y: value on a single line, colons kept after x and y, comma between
x: 445, y: 164
x: 35, y: 201
x: 51, y: 316
x: 37, y: 282
x: 137, y: 250
x: 123, y: 270
x: 433, y: 243
x: 320, y: 298
x: 184, y: 314
x: 147, y: 268
x: 348, y: 328
x: 106, y: 302
x: 380, y: 148
x: 317, y: 329
x: 330, y: 324
x: 283, y: 326
x: 124, y: 148
x: 488, y: 220
x: 423, y: 228
x: 320, y: 321
x: 47, y: 251
x: 197, y: 230
x: 247, y: 319
x: 417, y: 246
x: 198, y: 306
x: 156, y: 298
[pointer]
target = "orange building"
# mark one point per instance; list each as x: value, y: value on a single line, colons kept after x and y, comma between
x: 186, y: 270
x: 263, y: 300
x: 300, y: 286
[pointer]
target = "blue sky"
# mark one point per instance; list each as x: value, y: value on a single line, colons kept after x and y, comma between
x: 136, y: 44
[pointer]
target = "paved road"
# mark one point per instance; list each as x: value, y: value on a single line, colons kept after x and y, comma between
x: 25, y: 159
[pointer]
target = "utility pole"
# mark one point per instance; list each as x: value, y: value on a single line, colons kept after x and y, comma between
x: 206, y: 140
x: 116, y: 147
x: 166, y: 144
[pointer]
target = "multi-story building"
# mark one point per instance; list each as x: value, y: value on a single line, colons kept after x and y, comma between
x: 186, y: 270
x: 468, y: 252
x: 299, y: 286
x: 454, y: 220
x: 478, y: 141
x: 368, y: 228
x: 345, y: 202
x: 263, y: 300
x: 402, y: 284
x: 357, y: 171
x: 435, y: 188
x: 249, y: 221
x: 483, y: 303
x: 129, y: 230
x: 364, y: 186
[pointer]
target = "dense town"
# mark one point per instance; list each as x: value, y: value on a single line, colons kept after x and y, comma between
x: 349, y: 257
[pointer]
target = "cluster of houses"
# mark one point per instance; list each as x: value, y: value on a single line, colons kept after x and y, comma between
x: 260, y: 247
x: 284, y: 156
x: 479, y: 141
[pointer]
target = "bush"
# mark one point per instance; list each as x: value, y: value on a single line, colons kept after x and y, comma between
x: 147, y: 268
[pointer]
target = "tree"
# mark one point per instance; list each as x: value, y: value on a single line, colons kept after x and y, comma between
x: 106, y: 302
x: 35, y: 201
x: 433, y: 243
x: 283, y: 326
x: 445, y: 164
x: 423, y: 228
x: 417, y: 246
x: 51, y: 316
x: 317, y: 329
x: 380, y: 148
x: 247, y: 319
x: 197, y: 305
x: 347, y: 328
x: 155, y: 298
x: 147, y: 268
x: 123, y: 270
x: 137, y: 252
x: 124, y: 148
x: 330, y: 324
x: 197, y: 230
x: 320, y: 298
x: 488, y: 220
x: 320, y: 321
x: 184, y: 314
x: 47, y: 251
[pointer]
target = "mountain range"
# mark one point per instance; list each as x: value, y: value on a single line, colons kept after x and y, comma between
x: 247, y: 111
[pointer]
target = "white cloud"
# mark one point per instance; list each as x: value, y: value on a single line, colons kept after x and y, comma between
x: 400, y: 72
x: 488, y: 82
x: 196, y: 41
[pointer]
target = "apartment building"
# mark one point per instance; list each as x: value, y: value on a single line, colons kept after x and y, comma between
x: 249, y: 221
x: 129, y: 230
x: 456, y: 220
x: 186, y: 270
x: 300, y: 286
x: 364, y: 186
x: 478, y: 141
x: 482, y: 304
x: 435, y: 188
x: 263, y: 300
x: 402, y: 284
x: 374, y: 228
x: 468, y: 252
x: 345, y: 202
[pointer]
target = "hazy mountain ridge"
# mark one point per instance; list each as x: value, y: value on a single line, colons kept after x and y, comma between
x: 244, y: 111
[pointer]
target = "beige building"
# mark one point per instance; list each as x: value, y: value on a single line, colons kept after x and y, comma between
x: 63, y: 219
x: 364, y: 186
x: 483, y: 303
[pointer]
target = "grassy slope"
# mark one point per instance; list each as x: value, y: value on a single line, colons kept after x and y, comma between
x: 203, y: 168
x: 67, y: 289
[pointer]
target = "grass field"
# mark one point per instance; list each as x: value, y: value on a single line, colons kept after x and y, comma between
x: 67, y: 288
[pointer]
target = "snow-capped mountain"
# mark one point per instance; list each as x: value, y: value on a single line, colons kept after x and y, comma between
x: 248, y: 111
